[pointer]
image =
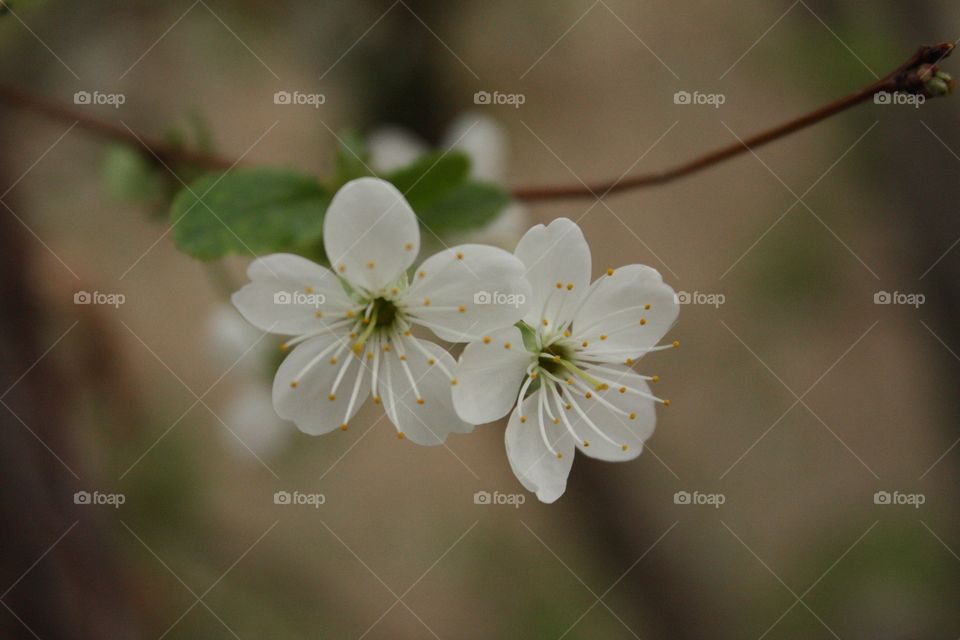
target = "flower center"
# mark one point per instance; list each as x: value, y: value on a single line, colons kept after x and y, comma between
x: 379, y: 314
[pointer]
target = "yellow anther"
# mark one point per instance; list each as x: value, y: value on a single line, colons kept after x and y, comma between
x: 584, y: 344
x: 407, y: 333
x: 342, y: 268
x: 523, y: 418
x: 459, y: 255
x: 556, y: 421
x: 308, y: 289
x: 559, y: 456
x: 486, y: 339
x: 371, y: 264
x: 633, y: 415
x: 394, y: 291
x: 559, y: 285
x: 408, y: 246
x: 369, y: 355
x: 294, y: 384
x: 350, y: 313
x: 676, y: 343
x: 609, y: 272
x: 569, y: 286
x: 318, y: 314
x: 566, y: 334
x: 534, y: 375
x: 623, y: 389
x: 603, y: 337
x: 666, y: 403
x: 403, y: 358
x: 376, y: 400
x: 462, y: 309
x: 343, y: 427
x: 426, y: 302
x: 420, y: 400
x: 647, y: 307
x: 333, y: 360
x: 284, y: 346
x: 432, y: 361
x: 643, y: 321
x: 624, y: 447
x: 655, y: 379
x: 422, y: 274
x: 569, y: 380
x: 453, y: 382
x: 586, y: 443
x: 401, y: 435
x: 353, y: 334
x: 603, y: 386
x: 629, y: 361
x: 386, y: 347
x: 588, y: 395
x: 557, y: 358
x: 357, y: 348
x: 506, y: 345
x: 331, y: 397
x: 366, y: 321
x: 568, y: 406
x: 545, y: 322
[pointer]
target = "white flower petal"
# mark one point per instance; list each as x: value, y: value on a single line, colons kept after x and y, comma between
x: 421, y: 409
x: 614, y: 428
x: 535, y: 465
x: 554, y: 254
x: 466, y: 292
x: 311, y: 366
x: 290, y: 295
x: 484, y: 140
x: 370, y: 233
x: 489, y: 376
x: 393, y: 148
x: 615, y: 319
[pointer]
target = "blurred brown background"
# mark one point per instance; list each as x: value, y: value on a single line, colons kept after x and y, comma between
x: 797, y: 399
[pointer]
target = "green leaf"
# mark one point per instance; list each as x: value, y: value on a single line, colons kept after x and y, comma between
x: 258, y: 210
x: 352, y: 158
x: 468, y: 206
x: 430, y: 176
x: 129, y: 176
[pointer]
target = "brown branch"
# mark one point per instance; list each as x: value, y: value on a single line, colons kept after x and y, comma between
x: 914, y: 76
x: 154, y: 148
x: 910, y: 77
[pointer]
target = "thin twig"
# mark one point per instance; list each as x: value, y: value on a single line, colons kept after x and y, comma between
x: 911, y: 77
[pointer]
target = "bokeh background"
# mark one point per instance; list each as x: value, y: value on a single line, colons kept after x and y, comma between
x: 797, y: 399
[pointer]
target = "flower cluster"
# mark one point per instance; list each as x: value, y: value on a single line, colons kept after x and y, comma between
x: 544, y: 344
